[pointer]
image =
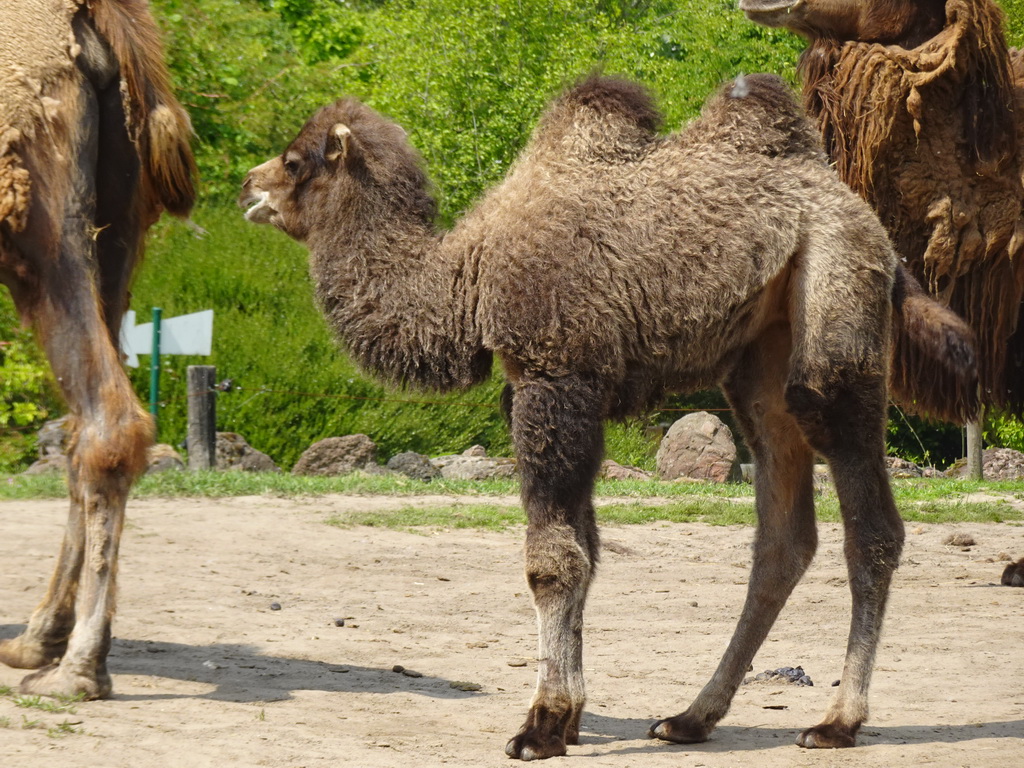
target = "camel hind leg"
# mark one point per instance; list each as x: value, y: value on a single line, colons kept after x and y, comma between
x: 557, y: 432
x: 786, y: 538
x: 846, y: 424
x: 838, y: 393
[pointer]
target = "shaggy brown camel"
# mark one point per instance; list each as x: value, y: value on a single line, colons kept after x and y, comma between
x: 612, y: 265
x: 92, y: 148
x: 916, y: 102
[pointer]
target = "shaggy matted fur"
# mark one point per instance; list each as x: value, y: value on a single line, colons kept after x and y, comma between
x: 611, y: 265
x: 916, y: 105
x: 93, y: 147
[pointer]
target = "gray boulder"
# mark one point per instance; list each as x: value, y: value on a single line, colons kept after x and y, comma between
x: 234, y: 453
x: 612, y: 470
x: 474, y: 464
x: 996, y: 464
x: 701, y: 447
x: 901, y: 468
x: 337, y: 456
x: 163, y: 458
x: 414, y: 465
x: 51, y: 439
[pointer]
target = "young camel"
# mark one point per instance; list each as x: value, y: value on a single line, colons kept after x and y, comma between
x: 93, y: 147
x: 919, y: 105
x: 610, y: 266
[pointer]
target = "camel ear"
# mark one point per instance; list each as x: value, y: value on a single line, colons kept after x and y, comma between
x: 338, y: 142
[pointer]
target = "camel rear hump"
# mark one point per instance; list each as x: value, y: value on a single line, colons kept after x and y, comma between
x: 757, y: 113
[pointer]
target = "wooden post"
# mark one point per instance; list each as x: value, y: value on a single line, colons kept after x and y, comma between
x: 974, y: 449
x: 202, y: 417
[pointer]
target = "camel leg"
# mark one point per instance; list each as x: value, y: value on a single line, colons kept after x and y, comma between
x: 847, y: 427
x: 557, y: 432
x: 786, y: 538
x: 108, y: 445
x: 45, y: 638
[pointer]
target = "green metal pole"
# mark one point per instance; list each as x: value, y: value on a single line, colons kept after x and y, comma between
x: 154, y: 366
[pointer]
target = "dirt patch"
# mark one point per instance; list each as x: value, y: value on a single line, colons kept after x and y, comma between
x: 206, y: 673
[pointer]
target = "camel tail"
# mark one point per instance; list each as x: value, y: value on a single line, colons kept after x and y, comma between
x: 157, y: 123
x: 934, y: 362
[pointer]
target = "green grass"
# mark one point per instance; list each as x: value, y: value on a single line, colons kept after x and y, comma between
x: 621, y: 502
x: 50, y: 705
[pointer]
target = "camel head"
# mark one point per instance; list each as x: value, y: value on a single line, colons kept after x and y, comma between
x: 347, y: 163
x: 903, y: 22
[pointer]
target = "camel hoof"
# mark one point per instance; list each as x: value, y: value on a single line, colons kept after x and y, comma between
x: 532, y: 745
x: 20, y: 654
x: 831, y: 736
x: 55, y: 680
x: 680, y: 729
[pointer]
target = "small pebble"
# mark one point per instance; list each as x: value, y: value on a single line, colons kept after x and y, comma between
x: 458, y: 685
x: 275, y: 606
x: 339, y: 622
x: 517, y: 662
x: 835, y: 684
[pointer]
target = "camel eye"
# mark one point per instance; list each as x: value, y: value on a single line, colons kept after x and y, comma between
x: 291, y: 166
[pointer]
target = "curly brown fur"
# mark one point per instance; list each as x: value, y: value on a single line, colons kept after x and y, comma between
x: 610, y: 266
x: 1013, y: 574
x: 96, y: 147
x: 916, y: 105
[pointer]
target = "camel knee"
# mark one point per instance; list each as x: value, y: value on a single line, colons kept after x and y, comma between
x: 558, y: 564
x: 113, y: 446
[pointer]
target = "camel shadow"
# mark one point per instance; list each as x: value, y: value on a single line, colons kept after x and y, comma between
x: 600, y: 729
x: 241, y: 673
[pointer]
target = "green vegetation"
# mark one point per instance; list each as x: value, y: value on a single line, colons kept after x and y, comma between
x: 56, y: 705
x: 467, y: 82
x: 621, y: 502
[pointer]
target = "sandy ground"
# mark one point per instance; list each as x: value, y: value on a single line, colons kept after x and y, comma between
x: 207, y: 674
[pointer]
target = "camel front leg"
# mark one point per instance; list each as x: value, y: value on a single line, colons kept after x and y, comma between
x: 107, y: 452
x: 556, y: 428
x: 111, y: 431
x: 45, y: 639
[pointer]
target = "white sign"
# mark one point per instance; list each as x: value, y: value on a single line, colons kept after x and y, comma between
x: 183, y: 335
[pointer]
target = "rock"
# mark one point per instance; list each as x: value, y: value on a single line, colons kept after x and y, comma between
x: 337, y: 456
x: 901, y: 468
x: 959, y: 540
x: 50, y: 463
x: 698, y: 446
x: 275, y: 606
x: 476, y: 450
x: 460, y: 685
x: 234, y: 453
x: 52, y: 437
x: 474, y: 467
x: 794, y: 675
x: 996, y: 464
x: 414, y: 465
x: 163, y: 458
x: 611, y: 470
